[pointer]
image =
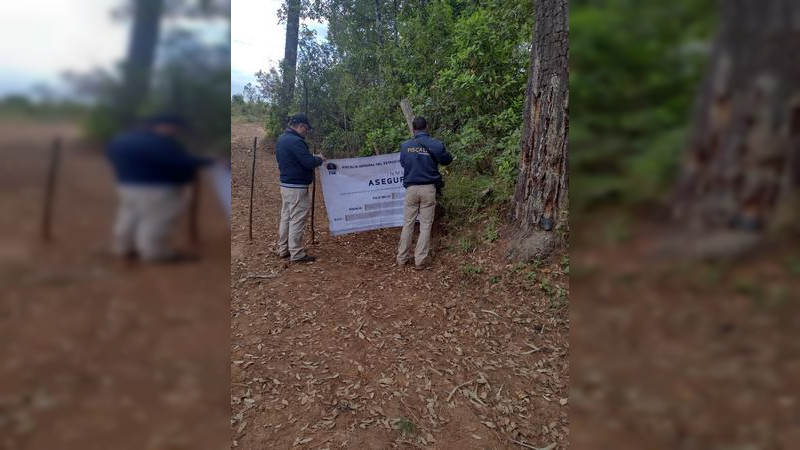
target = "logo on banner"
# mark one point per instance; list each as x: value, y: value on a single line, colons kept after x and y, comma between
x: 331, y: 168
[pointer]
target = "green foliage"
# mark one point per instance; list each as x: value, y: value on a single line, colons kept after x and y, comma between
x: 247, y: 108
x: 468, y: 197
x: 558, y: 298
x: 462, y: 64
x: 21, y: 106
x: 531, y: 277
x: 748, y: 287
x: 470, y: 270
x: 405, y: 426
x: 466, y: 244
x: 492, y: 232
x: 192, y: 80
x: 617, y: 229
x: 793, y: 265
x: 635, y: 68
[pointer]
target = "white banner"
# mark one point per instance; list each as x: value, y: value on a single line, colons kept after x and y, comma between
x: 363, y: 193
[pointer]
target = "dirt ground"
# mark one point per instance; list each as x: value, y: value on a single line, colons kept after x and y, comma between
x: 96, y: 354
x: 683, y: 355
x: 353, y: 352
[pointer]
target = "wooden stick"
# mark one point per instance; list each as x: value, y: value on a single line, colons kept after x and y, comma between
x: 409, y: 115
x: 194, y: 234
x: 522, y: 444
x: 252, y: 185
x: 313, y: 205
x: 457, y: 388
x: 50, y: 186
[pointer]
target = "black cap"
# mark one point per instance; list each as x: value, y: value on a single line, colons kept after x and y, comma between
x: 300, y: 118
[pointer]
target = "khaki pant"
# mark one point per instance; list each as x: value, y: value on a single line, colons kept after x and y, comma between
x: 295, y: 205
x: 420, y: 200
x: 146, y: 217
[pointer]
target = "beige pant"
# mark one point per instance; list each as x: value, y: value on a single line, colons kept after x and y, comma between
x: 295, y: 205
x: 420, y: 200
x: 146, y: 217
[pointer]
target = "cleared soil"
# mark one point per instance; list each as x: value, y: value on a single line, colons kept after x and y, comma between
x: 683, y: 355
x: 353, y: 352
x: 94, y: 353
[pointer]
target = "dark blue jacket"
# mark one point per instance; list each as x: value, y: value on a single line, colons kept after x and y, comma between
x: 143, y: 157
x: 295, y: 161
x: 420, y: 158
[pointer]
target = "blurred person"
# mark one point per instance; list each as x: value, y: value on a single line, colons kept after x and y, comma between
x: 152, y: 170
x: 420, y: 157
x: 296, y: 165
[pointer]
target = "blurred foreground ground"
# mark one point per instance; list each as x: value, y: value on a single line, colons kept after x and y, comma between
x: 95, y: 353
x: 669, y: 355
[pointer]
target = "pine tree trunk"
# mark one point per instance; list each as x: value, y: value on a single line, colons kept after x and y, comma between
x: 379, y: 23
x: 541, y: 195
x: 138, y: 65
x: 290, y: 53
x: 741, y: 167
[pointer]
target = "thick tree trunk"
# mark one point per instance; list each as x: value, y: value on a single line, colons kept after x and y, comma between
x: 290, y: 53
x: 741, y: 165
x: 541, y: 194
x: 138, y: 65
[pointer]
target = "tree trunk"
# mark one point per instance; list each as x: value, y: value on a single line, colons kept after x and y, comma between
x: 379, y: 23
x: 394, y: 22
x: 741, y: 166
x: 305, y: 96
x: 541, y: 195
x: 139, y: 62
x: 290, y: 53
x: 408, y: 114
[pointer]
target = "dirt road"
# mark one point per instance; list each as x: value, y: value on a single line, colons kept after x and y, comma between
x: 352, y: 352
x: 95, y: 354
x: 690, y: 356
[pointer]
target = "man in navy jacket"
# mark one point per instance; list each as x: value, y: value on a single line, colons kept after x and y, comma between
x: 420, y: 158
x: 296, y: 165
x: 152, y: 170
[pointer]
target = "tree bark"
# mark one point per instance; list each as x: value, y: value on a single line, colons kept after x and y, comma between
x: 290, y: 53
x: 741, y: 166
x: 541, y: 194
x: 394, y: 22
x: 138, y: 65
x: 408, y: 114
x: 379, y: 23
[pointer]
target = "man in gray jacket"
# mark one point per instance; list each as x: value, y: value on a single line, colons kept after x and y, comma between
x: 296, y: 165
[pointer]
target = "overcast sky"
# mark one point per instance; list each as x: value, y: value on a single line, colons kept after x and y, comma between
x: 257, y: 39
x: 40, y: 39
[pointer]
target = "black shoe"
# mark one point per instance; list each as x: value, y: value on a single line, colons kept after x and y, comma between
x: 305, y: 259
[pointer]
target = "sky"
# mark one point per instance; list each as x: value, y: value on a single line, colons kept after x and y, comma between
x: 40, y: 39
x: 257, y: 39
